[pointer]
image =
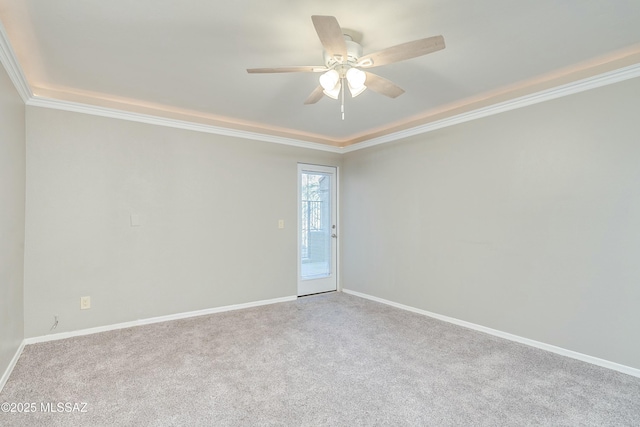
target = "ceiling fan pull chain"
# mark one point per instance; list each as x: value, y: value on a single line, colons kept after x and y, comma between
x: 342, y: 95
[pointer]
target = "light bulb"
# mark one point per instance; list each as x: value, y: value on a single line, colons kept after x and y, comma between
x: 329, y: 80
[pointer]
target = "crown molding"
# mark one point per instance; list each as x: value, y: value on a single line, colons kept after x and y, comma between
x: 582, y: 85
x: 11, y: 64
x: 37, y: 101
x: 597, y: 81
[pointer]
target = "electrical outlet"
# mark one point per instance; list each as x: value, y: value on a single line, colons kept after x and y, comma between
x: 85, y: 303
x: 281, y: 223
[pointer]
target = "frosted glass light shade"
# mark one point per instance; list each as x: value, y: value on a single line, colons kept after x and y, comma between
x: 329, y: 80
x: 356, y: 91
x: 334, y: 92
x: 356, y: 78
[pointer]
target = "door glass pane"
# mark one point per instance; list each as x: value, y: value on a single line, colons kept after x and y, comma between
x: 316, y: 225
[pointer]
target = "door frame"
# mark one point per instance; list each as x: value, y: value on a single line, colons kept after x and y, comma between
x: 335, y: 170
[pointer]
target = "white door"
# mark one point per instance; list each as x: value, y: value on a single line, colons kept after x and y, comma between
x: 317, y: 229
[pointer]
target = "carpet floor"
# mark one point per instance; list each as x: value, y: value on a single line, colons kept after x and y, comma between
x: 330, y: 359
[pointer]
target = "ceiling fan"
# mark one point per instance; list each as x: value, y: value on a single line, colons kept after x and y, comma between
x: 344, y: 64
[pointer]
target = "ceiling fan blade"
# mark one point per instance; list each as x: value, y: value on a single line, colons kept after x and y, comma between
x: 315, y: 96
x: 383, y: 86
x: 402, y: 51
x: 330, y: 35
x: 310, y: 69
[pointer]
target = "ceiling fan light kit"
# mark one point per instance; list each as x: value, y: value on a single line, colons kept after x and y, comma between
x: 343, y: 63
x: 329, y: 80
x: 333, y: 80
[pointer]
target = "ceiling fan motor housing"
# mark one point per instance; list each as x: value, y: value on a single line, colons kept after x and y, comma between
x: 354, y: 52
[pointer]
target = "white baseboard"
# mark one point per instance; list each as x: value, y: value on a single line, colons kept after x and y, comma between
x: 89, y: 331
x: 12, y: 365
x: 548, y: 347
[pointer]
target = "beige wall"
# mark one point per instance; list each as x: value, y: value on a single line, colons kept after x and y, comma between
x: 209, y: 207
x: 527, y: 222
x: 524, y: 222
x: 12, y: 184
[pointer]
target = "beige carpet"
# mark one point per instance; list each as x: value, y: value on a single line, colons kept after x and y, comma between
x: 331, y: 359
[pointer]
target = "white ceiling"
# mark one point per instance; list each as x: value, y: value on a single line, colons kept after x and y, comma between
x: 190, y: 57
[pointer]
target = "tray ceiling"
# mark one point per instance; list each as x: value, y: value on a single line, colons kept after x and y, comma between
x: 187, y: 60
